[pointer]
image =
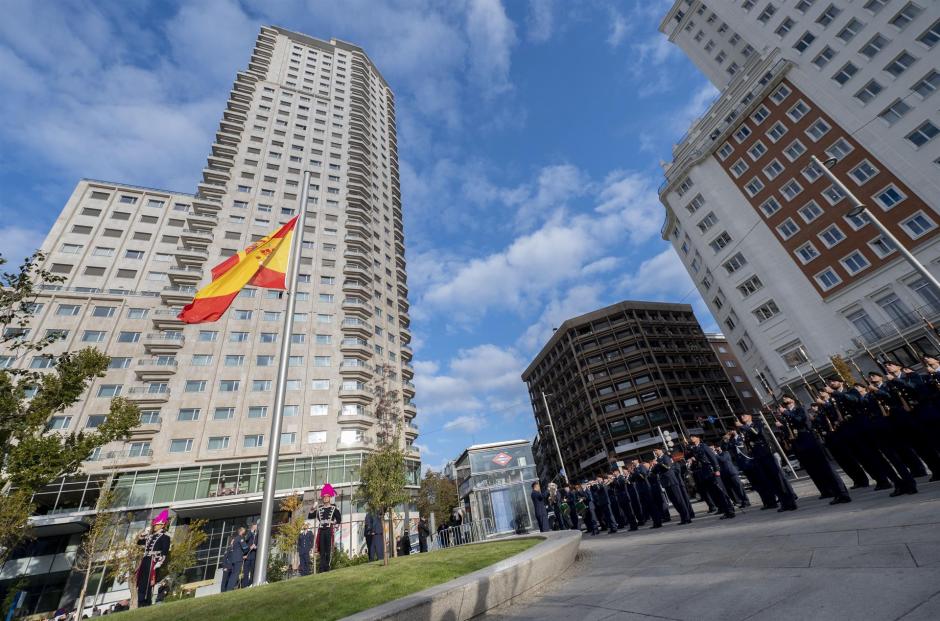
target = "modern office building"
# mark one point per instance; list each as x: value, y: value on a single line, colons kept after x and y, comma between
x: 750, y: 396
x: 132, y: 256
x: 789, y: 273
x: 615, y: 377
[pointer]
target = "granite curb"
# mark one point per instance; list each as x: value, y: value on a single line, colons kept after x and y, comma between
x: 475, y: 593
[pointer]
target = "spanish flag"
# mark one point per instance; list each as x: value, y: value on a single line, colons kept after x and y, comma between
x: 262, y: 264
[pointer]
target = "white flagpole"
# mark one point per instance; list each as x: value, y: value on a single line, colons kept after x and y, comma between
x: 274, y: 440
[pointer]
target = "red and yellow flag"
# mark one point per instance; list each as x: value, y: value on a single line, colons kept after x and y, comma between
x: 262, y: 264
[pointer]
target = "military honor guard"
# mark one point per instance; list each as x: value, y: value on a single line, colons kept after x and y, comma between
x: 328, y: 518
x: 156, y: 544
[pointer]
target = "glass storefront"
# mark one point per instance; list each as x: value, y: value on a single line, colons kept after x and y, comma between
x: 494, y: 481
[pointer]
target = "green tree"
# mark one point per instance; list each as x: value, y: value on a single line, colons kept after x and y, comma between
x: 97, y: 542
x: 384, y: 474
x: 285, y: 540
x: 31, y: 457
x: 437, y: 495
x: 183, y: 548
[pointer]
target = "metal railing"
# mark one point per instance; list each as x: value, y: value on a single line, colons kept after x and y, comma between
x: 901, y: 323
x: 468, y: 532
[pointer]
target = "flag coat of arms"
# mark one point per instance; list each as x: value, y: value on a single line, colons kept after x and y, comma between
x: 262, y: 264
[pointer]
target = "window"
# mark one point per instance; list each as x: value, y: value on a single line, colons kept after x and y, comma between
x: 845, y: 74
x: 794, y: 150
x: 194, y: 386
x: 770, y: 206
x: 931, y: 36
x: 181, y: 445
x: 734, y: 263
x: 810, y: 211
x: 829, y: 13
x: 900, y: 64
x: 723, y: 152
x: 137, y: 313
x: 208, y: 336
x: 889, y: 197
x: 217, y: 443
x: 788, y: 229
x: 923, y: 134
x: 188, y: 415
x: 895, y: 309
x: 803, y: 5
x: 223, y: 414
x: 798, y: 111
x: 750, y: 286
x: 742, y: 133
x: 881, y: 246
x: 874, y: 45
x: 823, y: 57
x: 128, y: 337
x: 855, y: 262
x: 831, y: 236
x: 109, y: 390
x: 760, y: 114
x: 804, y: 42
x: 229, y: 385
x: 767, y: 13
x: 863, y: 172
x: 839, y: 149
x: 319, y: 409
x: 857, y: 221
x: 739, y: 168
x: 827, y: 279
x: 833, y: 194
x: 849, y: 31
x: 59, y: 422
x: 754, y: 186
x: 869, y: 91
x: 807, y: 252
x: 818, y: 129
x: 258, y: 411
x: 234, y: 360
x: 757, y: 150
x: 42, y: 362
x: 773, y: 169
x: 119, y: 362
x: 731, y: 321
x: 720, y: 242
x: 67, y: 310
x: 927, y: 85
x: 776, y: 131
x: 917, y: 225
x: 791, y: 189
x: 92, y: 336
x: 238, y: 337
x: 268, y: 337
x: 875, y: 5
x: 812, y: 172
x: 926, y: 292
x: 264, y: 361
x: 766, y: 311
x: 894, y: 112
x: 708, y: 222
x: 905, y: 16
x: 261, y: 385
x: 241, y: 315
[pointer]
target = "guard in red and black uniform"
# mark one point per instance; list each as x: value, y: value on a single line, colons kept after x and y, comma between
x: 328, y: 517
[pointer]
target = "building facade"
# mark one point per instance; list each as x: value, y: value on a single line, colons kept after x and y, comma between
x: 749, y: 397
x: 791, y: 276
x: 614, y: 378
x: 132, y: 257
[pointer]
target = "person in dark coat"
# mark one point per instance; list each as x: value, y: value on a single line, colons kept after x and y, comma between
x: 424, y: 531
x: 709, y: 474
x: 669, y: 479
x: 765, y: 463
x: 248, y: 566
x: 810, y: 453
x: 538, y: 502
x: 375, y: 536
x: 731, y: 478
x: 156, y: 544
x: 328, y: 518
x: 235, y: 554
x: 304, y: 546
x: 572, y: 502
x: 639, y: 476
x: 618, y: 486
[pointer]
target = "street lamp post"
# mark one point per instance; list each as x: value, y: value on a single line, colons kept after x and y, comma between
x: 551, y: 426
x: 858, y: 208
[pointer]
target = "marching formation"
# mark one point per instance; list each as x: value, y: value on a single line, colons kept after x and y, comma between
x: 882, y: 430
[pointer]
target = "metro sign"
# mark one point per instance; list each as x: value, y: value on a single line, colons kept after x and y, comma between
x: 502, y: 459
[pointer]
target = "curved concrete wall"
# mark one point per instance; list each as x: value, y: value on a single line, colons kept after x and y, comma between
x: 474, y: 594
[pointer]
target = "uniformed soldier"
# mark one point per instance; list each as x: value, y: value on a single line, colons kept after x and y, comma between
x: 882, y: 439
x: 305, y: 545
x: 156, y: 544
x: 673, y: 485
x: 638, y: 477
x: 837, y: 439
x: 328, y: 518
x: 572, y: 502
x: 705, y: 463
x: 731, y: 478
x: 920, y: 424
x: 248, y: 566
x: 619, y: 485
x: 235, y: 555
x: 538, y: 506
x: 602, y: 505
x: 766, y: 464
x: 811, y: 454
x: 862, y: 444
x: 897, y: 412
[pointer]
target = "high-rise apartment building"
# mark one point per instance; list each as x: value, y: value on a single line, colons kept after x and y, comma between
x: 789, y: 273
x: 132, y: 256
x: 615, y: 377
x: 749, y: 396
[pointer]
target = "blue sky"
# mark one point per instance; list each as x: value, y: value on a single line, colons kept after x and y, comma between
x: 530, y: 136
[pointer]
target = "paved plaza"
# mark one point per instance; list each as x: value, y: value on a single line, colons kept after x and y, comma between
x: 877, y: 558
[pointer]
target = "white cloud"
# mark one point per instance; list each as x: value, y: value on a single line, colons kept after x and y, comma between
x: 576, y: 301
x: 695, y: 107
x: 663, y: 277
x: 540, y: 21
x: 466, y: 424
x: 618, y: 29
x: 492, y: 35
x: 17, y: 243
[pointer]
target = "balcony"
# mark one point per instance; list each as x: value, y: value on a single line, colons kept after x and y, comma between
x: 196, y: 236
x: 407, y: 371
x: 163, y: 340
x: 362, y: 418
x: 200, y: 218
x: 411, y: 429
x: 184, y: 274
x: 361, y: 307
x: 362, y: 396
x: 410, y: 409
x: 904, y: 323
x: 155, y: 368
x: 354, y: 286
x: 150, y: 427
x: 127, y: 458
x: 356, y: 346
x: 355, y: 445
x: 359, y: 271
x: 154, y: 393
x: 408, y: 389
x: 190, y: 253
x: 211, y: 174
x: 355, y: 325
x: 355, y: 368
x: 207, y: 204
x: 177, y: 294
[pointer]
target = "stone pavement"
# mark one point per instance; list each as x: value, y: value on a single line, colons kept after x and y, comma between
x: 876, y: 558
